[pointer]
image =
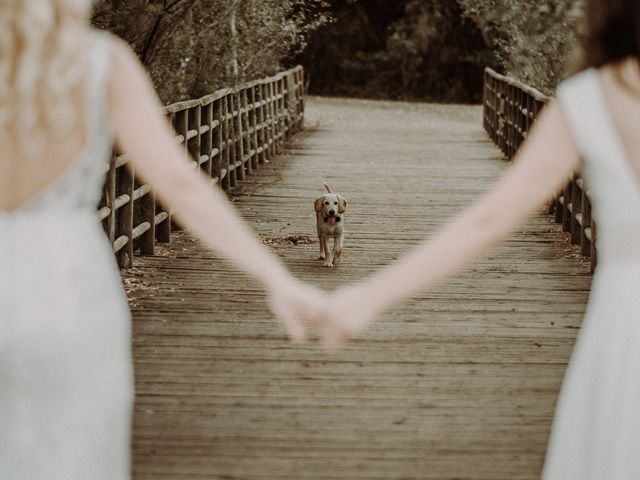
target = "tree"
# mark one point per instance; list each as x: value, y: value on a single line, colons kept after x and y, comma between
x: 535, y: 40
x: 406, y: 49
x: 190, y: 48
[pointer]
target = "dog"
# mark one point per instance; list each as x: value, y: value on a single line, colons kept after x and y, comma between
x: 330, y: 208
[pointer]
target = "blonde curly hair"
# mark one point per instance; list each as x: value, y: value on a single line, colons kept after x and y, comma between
x: 40, y: 66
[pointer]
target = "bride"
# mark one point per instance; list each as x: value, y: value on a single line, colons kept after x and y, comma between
x: 66, y: 386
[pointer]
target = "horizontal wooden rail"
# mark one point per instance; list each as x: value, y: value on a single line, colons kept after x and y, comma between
x: 228, y: 135
x: 509, y: 110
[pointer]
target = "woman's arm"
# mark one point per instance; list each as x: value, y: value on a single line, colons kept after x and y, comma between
x: 541, y: 168
x: 145, y: 135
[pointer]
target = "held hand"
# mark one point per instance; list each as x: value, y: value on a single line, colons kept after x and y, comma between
x: 296, y: 305
x: 346, y: 314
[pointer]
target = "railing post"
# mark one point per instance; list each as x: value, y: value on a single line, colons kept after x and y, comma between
x: 290, y: 104
x: 229, y: 144
x: 181, y: 126
x: 587, y: 230
x: 272, y: 118
x: 124, y: 222
x: 576, y: 213
x: 262, y: 123
x: 110, y: 200
x: 237, y: 134
x: 485, y: 86
x: 245, y: 129
x: 162, y: 221
x: 301, y: 99
x: 594, y: 250
x: 280, y: 108
x: 147, y: 209
x: 206, y: 137
x: 566, y: 210
x: 253, y: 125
x: 194, y: 144
x: 501, y: 117
x: 217, y: 144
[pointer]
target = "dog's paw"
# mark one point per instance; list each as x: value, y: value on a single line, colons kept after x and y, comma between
x: 322, y: 256
x: 328, y: 263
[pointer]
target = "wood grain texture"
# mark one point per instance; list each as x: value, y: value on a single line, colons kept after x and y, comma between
x: 459, y: 383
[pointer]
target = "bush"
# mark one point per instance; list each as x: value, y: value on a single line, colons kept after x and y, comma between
x: 534, y: 40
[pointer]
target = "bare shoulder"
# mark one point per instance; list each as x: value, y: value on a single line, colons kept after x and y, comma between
x: 127, y: 74
x: 122, y: 55
x: 551, y: 144
x: 623, y: 76
x: 553, y: 118
x: 130, y: 92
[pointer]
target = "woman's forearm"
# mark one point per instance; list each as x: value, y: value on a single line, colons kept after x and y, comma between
x: 461, y: 242
x: 206, y: 211
x: 543, y: 165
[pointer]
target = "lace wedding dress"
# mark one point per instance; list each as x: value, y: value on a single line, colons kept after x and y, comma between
x: 66, y: 385
x: 596, y: 432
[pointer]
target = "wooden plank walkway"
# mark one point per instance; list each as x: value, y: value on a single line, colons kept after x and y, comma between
x: 458, y: 384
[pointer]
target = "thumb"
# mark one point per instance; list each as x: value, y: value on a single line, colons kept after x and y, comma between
x: 294, y: 328
x: 331, y: 337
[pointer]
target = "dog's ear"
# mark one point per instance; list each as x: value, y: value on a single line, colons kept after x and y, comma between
x: 342, y: 204
x: 317, y: 205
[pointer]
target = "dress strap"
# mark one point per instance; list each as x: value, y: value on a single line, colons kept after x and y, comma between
x: 592, y: 123
x: 578, y: 97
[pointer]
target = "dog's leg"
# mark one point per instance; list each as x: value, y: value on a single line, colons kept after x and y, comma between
x: 325, y: 248
x: 328, y: 262
x: 337, y: 249
x: 321, y: 240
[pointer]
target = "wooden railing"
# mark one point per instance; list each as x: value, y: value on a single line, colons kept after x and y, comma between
x: 228, y: 134
x: 509, y: 110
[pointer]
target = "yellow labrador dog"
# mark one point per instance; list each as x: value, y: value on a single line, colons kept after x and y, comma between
x: 330, y: 208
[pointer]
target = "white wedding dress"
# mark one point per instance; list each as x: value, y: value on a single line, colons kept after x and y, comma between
x: 66, y: 383
x: 596, y: 431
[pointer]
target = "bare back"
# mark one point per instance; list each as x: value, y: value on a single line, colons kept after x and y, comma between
x: 25, y: 176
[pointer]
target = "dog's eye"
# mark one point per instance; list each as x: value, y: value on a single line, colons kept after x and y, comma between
x: 335, y: 203
x: 326, y: 203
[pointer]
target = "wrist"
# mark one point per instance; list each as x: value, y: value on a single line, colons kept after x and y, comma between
x: 277, y: 279
x: 376, y: 296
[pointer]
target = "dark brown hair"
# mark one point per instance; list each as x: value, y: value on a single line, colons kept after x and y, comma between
x: 612, y: 31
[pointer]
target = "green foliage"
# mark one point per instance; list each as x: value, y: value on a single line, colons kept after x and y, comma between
x: 535, y: 40
x: 401, y: 49
x: 193, y: 47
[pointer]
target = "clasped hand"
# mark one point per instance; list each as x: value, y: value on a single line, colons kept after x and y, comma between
x: 336, y: 316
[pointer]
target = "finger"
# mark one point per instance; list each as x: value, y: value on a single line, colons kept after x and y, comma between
x: 312, y: 305
x: 331, y: 338
x: 294, y: 328
x: 319, y: 318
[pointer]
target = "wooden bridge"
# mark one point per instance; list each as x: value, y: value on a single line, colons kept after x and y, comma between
x: 458, y: 384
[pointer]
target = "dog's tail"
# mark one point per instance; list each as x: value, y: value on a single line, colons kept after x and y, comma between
x: 327, y: 187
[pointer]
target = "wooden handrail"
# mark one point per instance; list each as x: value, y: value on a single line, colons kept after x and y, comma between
x: 509, y: 110
x: 228, y: 135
